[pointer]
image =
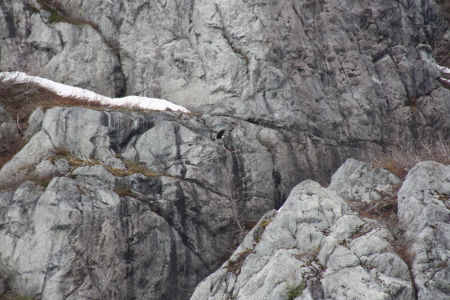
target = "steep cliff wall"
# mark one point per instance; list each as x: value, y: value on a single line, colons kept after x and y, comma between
x: 146, y: 204
x: 349, y: 74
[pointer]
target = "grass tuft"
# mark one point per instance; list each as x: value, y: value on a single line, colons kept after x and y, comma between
x: 234, y: 266
x: 124, y: 191
x: 400, y: 161
x: 58, y: 13
x: 295, y: 291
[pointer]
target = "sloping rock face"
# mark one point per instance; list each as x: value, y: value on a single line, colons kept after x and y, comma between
x: 424, y: 205
x: 141, y: 205
x: 144, y: 205
x: 317, y: 247
x: 350, y: 74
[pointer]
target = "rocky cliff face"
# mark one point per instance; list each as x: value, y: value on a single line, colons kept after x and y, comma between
x: 318, y: 246
x: 145, y: 204
x: 348, y: 75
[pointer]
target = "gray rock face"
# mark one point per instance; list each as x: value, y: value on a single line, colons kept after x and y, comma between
x: 286, y: 90
x: 195, y: 183
x: 424, y: 206
x: 316, y: 247
x: 314, y: 242
x: 8, y: 129
x: 356, y: 180
x: 358, y: 74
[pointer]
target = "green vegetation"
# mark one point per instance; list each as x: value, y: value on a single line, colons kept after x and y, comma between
x: 295, y: 291
x: 32, y: 9
x: 43, y: 181
x: 55, y: 16
x: 124, y: 191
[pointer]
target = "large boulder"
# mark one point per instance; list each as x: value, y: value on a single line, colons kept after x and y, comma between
x: 316, y: 247
x: 424, y: 209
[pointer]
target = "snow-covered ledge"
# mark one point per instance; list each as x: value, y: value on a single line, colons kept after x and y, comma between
x: 64, y: 90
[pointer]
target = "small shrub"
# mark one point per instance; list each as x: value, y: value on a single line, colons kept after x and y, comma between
x: 32, y: 9
x: 55, y: 16
x: 42, y: 181
x: 383, y: 209
x: 295, y: 291
x: 234, y: 266
x: 124, y: 191
x: 265, y: 223
x: 60, y: 14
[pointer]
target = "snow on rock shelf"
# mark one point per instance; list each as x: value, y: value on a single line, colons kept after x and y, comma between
x: 64, y: 90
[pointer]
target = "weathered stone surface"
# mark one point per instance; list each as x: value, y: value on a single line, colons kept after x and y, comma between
x: 8, y: 128
x: 317, y: 243
x: 292, y: 89
x: 347, y: 75
x: 32, y: 153
x: 356, y: 180
x: 59, y: 243
x: 34, y: 123
x: 204, y: 185
x: 424, y: 208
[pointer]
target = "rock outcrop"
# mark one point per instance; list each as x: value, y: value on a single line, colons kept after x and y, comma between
x: 345, y: 76
x: 126, y: 204
x: 317, y: 247
x: 140, y: 205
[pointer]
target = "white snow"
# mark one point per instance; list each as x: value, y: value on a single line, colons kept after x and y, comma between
x: 444, y: 70
x: 75, y: 92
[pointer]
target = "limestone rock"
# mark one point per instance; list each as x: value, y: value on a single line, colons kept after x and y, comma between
x: 283, y: 91
x: 424, y: 209
x: 197, y: 185
x: 314, y: 247
x: 347, y: 75
x: 34, y: 123
x: 356, y: 180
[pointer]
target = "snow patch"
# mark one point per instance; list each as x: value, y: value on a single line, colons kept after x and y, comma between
x: 64, y: 90
x: 444, y: 70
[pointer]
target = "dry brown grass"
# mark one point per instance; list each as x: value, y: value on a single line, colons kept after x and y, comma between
x: 383, y: 210
x: 445, y: 7
x: 399, y: 161
x: 234, y: 266
x: 21, y: 99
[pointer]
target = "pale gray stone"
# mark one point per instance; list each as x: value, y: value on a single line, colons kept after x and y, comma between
x: 312, y: 233
x: 423, y: 203
x: 62, y: 166
x: 38, y: 148
x: 34, y: 123
x: 46, y: 169
x: 283, y: 91
x: 356, y: 180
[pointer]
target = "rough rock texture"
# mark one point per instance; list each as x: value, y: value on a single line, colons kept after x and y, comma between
x: 190, y: 183
x: 284, y: 90
x: 316, y: 244
x: 352, y: 74
x: 424, y: 208
x: 355, y: 180
x: 8, y: 128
